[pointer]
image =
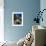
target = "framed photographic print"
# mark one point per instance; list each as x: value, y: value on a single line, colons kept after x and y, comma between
x: 17, y: 18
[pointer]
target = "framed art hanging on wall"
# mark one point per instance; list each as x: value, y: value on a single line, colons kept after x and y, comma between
x: 17, y: 18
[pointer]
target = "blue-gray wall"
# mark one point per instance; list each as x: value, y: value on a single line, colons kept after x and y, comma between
x: 29, y: 9
x: 43, y: 6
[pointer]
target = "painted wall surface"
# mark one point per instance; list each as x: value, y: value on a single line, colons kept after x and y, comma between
x: 29, y: 8
x: 43, y: 6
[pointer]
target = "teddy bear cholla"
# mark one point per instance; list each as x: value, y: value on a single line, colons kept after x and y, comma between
x: 28, y: 40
